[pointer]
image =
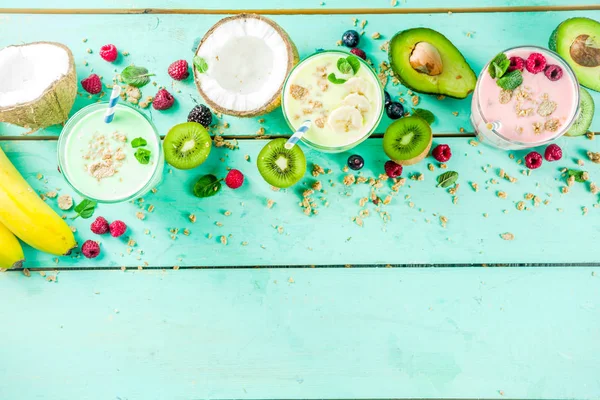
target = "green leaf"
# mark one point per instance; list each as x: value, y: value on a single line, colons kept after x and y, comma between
x: 142, y: 155
x: 511, y: 81
x: 332, y: 78
x: 500, y: 69
x: 344, y: 66
x: 136, y: 76
x: 577, y: 174
x: 425, y: 114
x: 207, y: 185
x: 497, y: 61
x: 85, y: 209
x: 354, y: 63
x: 447, y: 179
x: 200, y: 64
x: 138, y: 142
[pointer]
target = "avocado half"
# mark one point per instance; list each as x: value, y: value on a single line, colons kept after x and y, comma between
x: 425, y: 61
x: 577, y: 40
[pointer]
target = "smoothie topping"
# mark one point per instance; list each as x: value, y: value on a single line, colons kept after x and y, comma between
x: 104, y: 160
x: 298, y: 92
x: 546, y: 108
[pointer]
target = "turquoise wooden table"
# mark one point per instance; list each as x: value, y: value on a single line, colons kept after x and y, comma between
x: 309, y: 307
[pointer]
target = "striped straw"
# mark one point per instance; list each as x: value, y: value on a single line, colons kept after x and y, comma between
x: 298, y: 134
x: 112, y: 103
x: 494, y: 125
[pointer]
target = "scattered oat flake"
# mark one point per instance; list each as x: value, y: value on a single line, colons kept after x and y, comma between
x: 507, y: 236
x: 140, y: 215
x: 26, y: 272
x: 223, y: 240
x: 192, y: 218
x: 65, y: 202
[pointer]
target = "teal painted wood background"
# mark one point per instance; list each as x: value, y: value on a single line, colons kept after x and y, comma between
x: 371, y: 332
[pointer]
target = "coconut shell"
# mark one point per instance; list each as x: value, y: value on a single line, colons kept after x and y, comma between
x: 52, y: 106
x: 276, y: 99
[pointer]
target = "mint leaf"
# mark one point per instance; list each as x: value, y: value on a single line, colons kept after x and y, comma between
x: 138, y: 142
x: 354, y: 63
x: 511, y: 81
x: 85, y: 209
x: 425, y: 114
x: 497, y: 61
x: 500, y: 69
x: 447, y: 179
x: 577, y: 174
x: 200, y: 64
x: 206, y: 186
x: 136, y: 76
x: 332, y: 78
x: 344, y: 66
x: 142, y: 155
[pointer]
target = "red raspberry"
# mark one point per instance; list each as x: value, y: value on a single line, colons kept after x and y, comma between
x: 92, y: 84
x: 99, y: 226
x: 108, y: 52
x: 553, y: 153
x: 553, y: 72
x: 516, y: 63
x: 117, y: 228
x: 392, y: 169
x: 234, y: 179
x: 535, y: 63
x: 90, y: 249
x: 163, y: 100
x: 533, y: 160
x: 359, y: 53
x: 179, y: 70
x: 442, y: 153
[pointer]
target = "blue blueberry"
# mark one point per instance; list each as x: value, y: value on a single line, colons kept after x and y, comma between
x: 350, y: 38
x: 394, y: 110
x: 388, y: 98
x: 356, y: 162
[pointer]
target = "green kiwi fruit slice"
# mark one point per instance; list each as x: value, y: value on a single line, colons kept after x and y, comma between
x: 586, y: 114
x: 408, y: 140
x: 279, y: 166
x: 187, y: 145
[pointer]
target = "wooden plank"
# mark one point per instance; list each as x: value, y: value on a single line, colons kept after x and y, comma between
x: 558, y: 232
x: 155, y: 40
x: 299, y: 5
x: 302, y: 333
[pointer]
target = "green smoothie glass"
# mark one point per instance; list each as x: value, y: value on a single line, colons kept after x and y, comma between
x: 340, y: 94
x: 110, y: 162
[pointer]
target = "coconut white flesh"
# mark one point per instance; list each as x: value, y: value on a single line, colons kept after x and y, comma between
x: 247, y: 64
x: 27, y: 71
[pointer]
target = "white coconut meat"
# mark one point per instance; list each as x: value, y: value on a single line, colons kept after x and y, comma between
x: 248, y: 58
x: 37, y: 84
x: 27, y: 71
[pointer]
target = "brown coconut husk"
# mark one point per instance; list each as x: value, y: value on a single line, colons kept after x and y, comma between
x: 275, y: 101
x: 52, y: 106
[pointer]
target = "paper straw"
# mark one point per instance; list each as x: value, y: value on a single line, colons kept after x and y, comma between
x: 494, y: 125
x: 298, y: 134
x: 114, y: 99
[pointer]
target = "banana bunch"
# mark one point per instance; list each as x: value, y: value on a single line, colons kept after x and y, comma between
x: 24, y: 213
x: 11, y: 252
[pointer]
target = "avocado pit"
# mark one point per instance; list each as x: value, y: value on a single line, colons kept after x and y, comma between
x: 585, y: 51
x: 426, y: 59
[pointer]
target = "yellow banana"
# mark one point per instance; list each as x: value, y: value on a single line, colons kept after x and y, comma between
x: 11, y: 252
x: 24, y: 213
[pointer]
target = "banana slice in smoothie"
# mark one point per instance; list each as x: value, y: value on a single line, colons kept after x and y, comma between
x: 345, y: 119
x: 357, y: 85
x: 358, y: 101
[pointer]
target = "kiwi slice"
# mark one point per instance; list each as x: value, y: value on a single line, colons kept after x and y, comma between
x: 279, y: 166
x: 187, y: 145
x: 586, y: 114
x: 408, y: 140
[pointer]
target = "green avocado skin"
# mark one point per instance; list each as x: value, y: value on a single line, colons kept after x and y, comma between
x: 455, y: 64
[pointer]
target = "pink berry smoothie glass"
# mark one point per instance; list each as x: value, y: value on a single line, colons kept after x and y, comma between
x: 539, y: 110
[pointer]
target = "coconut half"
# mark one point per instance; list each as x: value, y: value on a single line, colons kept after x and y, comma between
x: 38, y: 84
x: 248, y: 58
